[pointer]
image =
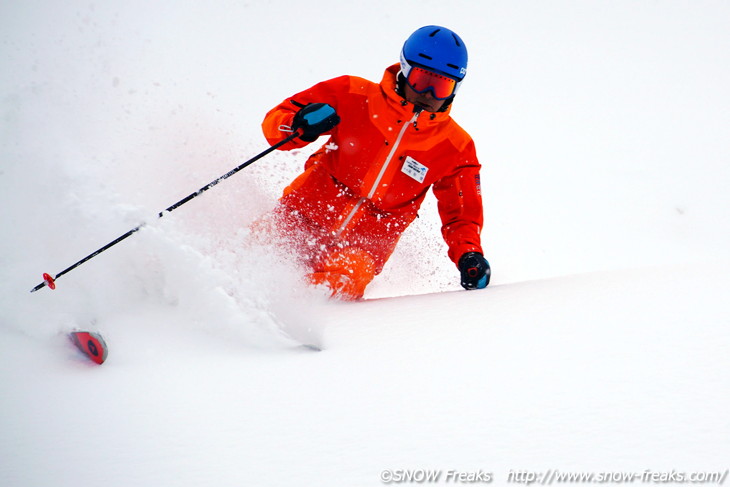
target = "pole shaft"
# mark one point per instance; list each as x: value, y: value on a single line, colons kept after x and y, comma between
x: 172, y: 208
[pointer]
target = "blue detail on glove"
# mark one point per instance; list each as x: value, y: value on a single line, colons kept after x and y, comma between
x: 482, y: 282
x: 319, y: 114
x: 313, y: 120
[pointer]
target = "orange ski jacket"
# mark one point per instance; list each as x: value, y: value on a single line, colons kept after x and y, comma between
x: 372, y: 175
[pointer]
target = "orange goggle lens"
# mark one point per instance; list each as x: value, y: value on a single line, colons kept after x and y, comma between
x: 422, y: 80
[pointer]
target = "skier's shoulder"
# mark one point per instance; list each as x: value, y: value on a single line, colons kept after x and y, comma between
x: 457, y: 135
x: 350, y: 83
x: 360, y: 85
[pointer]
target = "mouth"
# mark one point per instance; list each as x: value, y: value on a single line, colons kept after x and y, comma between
x: 424, y: 104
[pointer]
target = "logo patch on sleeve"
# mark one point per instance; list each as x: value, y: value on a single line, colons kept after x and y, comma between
x: 414, y: 169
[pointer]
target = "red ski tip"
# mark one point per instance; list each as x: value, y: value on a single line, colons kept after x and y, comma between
x: 91, y: 343
x: 50, y: 282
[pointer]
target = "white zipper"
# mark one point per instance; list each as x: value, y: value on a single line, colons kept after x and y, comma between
x: 384, y: 167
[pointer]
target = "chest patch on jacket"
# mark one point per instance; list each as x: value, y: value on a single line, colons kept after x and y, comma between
x: 414, y: 169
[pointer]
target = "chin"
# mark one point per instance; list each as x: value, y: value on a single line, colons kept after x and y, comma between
x: 428, y: 108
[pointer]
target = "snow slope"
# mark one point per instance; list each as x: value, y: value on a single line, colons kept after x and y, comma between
x: 602, y: 344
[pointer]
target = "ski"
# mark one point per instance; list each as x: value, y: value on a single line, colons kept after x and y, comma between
x: 91, y: 343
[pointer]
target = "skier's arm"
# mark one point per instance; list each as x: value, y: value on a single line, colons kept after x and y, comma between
x: 460, y: 206
x: 279, y: 120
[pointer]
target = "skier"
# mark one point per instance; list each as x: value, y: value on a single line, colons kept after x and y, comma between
x: 388, y: 144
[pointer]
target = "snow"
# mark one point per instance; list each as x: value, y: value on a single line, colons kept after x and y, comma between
x: 601, y: 344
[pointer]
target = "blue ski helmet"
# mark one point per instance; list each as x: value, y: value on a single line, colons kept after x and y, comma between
x: 437, y: 49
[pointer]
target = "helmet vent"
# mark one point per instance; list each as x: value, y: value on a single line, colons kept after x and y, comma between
x: 454, y: 66
x: 456, y: 39
x: 434, y: 32
x: 426, y: 56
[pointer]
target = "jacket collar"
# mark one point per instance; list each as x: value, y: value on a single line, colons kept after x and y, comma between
x: 389, y: 87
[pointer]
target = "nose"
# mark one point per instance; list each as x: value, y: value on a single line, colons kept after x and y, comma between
x: 428, y: 94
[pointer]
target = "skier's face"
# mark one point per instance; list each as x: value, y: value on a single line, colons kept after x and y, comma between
x: 424, y: 100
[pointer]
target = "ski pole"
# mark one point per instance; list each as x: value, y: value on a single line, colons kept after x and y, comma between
x: 49, y: 280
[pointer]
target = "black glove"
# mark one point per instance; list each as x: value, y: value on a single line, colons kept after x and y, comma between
x: 475, y: 271
x: 314, y: 119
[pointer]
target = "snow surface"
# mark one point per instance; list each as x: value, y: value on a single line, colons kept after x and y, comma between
x: 602, y: 344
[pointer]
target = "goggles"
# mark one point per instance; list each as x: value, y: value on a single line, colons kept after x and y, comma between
x: 421, y: 80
